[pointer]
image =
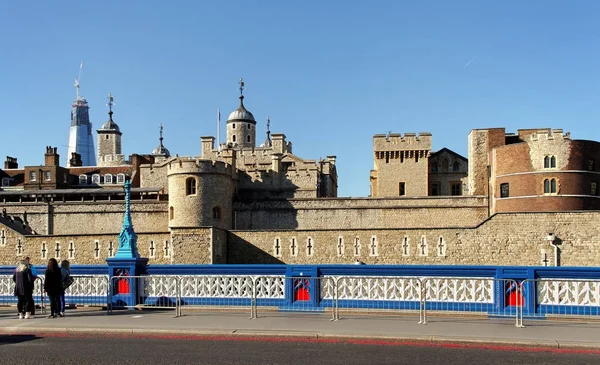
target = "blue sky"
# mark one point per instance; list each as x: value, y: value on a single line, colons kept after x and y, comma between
x: 329, y: 74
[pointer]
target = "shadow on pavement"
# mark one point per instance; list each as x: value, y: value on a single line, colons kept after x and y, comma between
x: 13, y: 339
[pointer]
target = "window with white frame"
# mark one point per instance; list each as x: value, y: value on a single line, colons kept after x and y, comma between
x: 96, y: 179
x: 120, y: 178
x: 310, y: 248
x: 167, y: 248
x: 83, y: 179
x: 6, y: 181
x: 441, y: 247
x: 96, y: 249
x: 277, y: 247
x: 405, y: 247
x: 340, y: 246
x: 47, y: 176
x: 108, y: 179
x: 423, y: 249
x: 152, y: 249
x: 71, y: 250
x: 32, y: 176
x: 373, y: 249
x: 293, y: 247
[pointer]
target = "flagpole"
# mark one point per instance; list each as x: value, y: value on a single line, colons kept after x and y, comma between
x: 218, y: 129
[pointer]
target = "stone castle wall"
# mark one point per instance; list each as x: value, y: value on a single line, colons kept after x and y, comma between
x: 91, y: 249
x: 504, y: 239
x: 360, y: 213
x: 79, y: 218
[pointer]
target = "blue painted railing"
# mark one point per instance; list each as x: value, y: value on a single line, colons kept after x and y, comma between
x: 524, y: 276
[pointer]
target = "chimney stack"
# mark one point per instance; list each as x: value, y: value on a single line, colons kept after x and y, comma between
x: 11, y: 163
x: 51, y: 156
x: 75, y: 160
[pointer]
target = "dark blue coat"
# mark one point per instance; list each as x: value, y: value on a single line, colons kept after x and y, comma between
x: 23, y: 282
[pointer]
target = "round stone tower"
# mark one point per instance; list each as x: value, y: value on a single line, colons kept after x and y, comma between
x: 241, y: 125
x: 200, y: 193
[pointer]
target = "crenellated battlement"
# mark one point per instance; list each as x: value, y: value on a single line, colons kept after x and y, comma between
x: 397, y: 141
x: 198, y: 166
x: 554, y: 134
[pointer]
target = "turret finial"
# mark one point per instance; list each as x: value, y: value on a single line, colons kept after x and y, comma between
x: 161, y: 133
x: 110, y: 105
x: 241, y: 82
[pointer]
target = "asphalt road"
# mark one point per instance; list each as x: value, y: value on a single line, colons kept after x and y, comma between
x: 70, y: 349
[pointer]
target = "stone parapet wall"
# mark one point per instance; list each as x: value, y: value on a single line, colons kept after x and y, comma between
x: 357, y: 213
x: 90, y: 218
x: 91, y: 249
x: 504, y: 239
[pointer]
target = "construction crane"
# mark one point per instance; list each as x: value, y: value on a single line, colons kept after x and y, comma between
x: 77, y: 81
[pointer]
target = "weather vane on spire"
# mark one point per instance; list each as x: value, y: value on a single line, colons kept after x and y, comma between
x: 161, y: 132
x: 110, y: 102
x: 268, y: 125
x: 241, y: 82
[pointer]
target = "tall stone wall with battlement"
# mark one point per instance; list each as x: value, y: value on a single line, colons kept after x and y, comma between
x: 360, y: 213
x: 101, y: 217
x: 504, y: 239
x: 400, y: 164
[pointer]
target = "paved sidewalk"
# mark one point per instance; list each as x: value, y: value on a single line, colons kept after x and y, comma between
x: 374, y: 326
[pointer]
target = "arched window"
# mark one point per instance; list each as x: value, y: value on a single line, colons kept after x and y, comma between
x: 552, y: 161
x: 108, y: 179
x: 546, y: 186
x: 121, y: 179
x: 233, y: 138
x: 190, y: 186
x: 553, y: 186
x: 95, y: 179
x: 249, y: 126
x: 232, y: 125
x: 455, y: 166
x: 445, y: 165
x: 82, y: 179
x: 171, y: 213
x: 217, y: 213
x: 248, y: 138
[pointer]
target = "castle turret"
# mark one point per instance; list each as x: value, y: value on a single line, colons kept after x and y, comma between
x: 400, y: 164
x: 241, y: 125
x: 109, y: 141
x: 200, y: 193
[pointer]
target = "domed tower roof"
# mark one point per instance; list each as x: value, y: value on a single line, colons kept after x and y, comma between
x: 110, y: 125
x: 241, y: 113
x: 161, y: 150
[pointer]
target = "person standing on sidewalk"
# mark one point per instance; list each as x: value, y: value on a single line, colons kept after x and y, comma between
x: 65, y: 270
x: 23, y: 279
x: 53, y: 286
x: 35, y: 276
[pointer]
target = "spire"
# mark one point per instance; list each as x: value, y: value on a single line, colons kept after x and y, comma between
x: 110, y: 105
x: 161, y: 150
x: 241, y: 82
x: 268, y: 142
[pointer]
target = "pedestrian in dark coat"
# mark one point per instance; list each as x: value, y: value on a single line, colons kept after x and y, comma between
x: 24, y: 279
x: 53, y: 286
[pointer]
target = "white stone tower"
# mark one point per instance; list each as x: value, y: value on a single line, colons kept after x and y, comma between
x: 241, y: 125
x: 109, y: 141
